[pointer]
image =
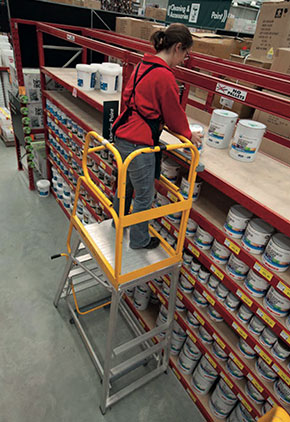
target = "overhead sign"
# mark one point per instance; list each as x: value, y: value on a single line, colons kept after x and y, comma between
x: 204, y: 13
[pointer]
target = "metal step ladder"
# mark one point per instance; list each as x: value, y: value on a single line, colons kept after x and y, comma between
x: 100, y: 260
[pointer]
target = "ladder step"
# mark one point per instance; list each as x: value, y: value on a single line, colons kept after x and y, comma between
x: 140, y: 339
x: 133, y: 362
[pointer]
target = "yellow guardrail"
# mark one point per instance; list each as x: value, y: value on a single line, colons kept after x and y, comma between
x: 121, y: 221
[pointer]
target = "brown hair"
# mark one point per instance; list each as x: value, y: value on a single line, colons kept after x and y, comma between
x: 175, y: 33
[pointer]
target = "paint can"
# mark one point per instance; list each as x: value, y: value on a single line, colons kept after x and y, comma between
x: 187, y: 257
x: 221, y: 292
x: 282, y: 391
x: 186, y: 364
x: 202, y: 239
x: 257, y: 286
x: 214, y: 315
x: 192, y: 321
x: 141, y: 297
x: 253, y: 393
x: 244, y: 314
x: 170, y: 169
x: 176, y: 344
x: 231, y: 302
x: 179, y: 306
x: 203, y: 275
x: 219, y: 352
x: 280, y: 350
x: 276, y: 303
x: 246, y: 350
x: 268, y: 338
x: 204, y: 377
x: 191, y: 350
x: 240, y: 414
x: 195, y: 266
x: 185, y: 285
x: 256, y: 236
x: 199, y: 299
x: 266, y: 408
x: 236, y: 268
x: 130, y: 291
x: 247, y: 140
x: 191, y: 227
x: 219, y: 253
x: 179, y: 333
x: 234, y: 370
x: 277, y: 253
x: 221, y: 128
x: 256, y: 326
x: 204, y: 335
x: 265, y: 371
x: 165, y: 290
x: 213, y: 283
x: 222, y: 400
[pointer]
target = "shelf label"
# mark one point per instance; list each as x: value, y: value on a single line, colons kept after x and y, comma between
x: 57, y: 138
x: 281, y: 374
x: 285, y: 336
x: 265, y: 273
x: 175, y: 316
x: 70, y: 37
x: 48, y: 113
x: 142, y: 323
x: 191, y: 336
x: 152, y: 287
x: 255, y: 383
x: 239, y: 330
x: 232, y: 246
x: 193, y: 250
x: 75, y: 92
x: 101, y: 205
x: 84, y: 202
x: 217, y: 272
x: 271, y: 401
x: 263, y: 355
x: 208, y: 298
x: 71, y: 186
x: 166, y: 279
x: 237, y: 362
x: 281, y: 286
x: 71, y: 170
x: 244, y: 298
x: 191, y: 395
x: 179, y: 295
x: 245, y: 403
x: 172, y: 197
x: 230, y: 91
x: 70, y: 153
x: 162, y: 300
x: 226, y: 380
x: 102, y: 186
x: 165, y: 224
x: 57, y: 154
x: 175, y: 233
x: 265, y: 317
x: 21, y: 90
x: 50, y: 131
x: 56, y: 121
x: 58, y: 170
x: 219, y: 341
x: 211, y: 361
x: 199, y: 318
x: 103, y: 165
x: 70, y: 134
x: 176, y: 373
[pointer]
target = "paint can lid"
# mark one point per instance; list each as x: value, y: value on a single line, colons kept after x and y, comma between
x: 282, y: 241
x: 240, y: 211
x: 261, y: 226
x: 225, y: 113
x: 252, y: 124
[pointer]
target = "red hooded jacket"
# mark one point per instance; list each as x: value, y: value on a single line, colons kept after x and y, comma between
x: 157, y: 95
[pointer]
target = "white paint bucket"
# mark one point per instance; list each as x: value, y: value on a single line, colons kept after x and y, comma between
x: 202, y: 239
x: 253, y: 393
x: 219, y: 352
x: 276, y: 303
x: 87, y: 216
x: 257, y: 286
x: 191, y: 350
x: 244, y: 314
x: 265, y: 371
x: 246, y: 350
x: 213, y: 283
x: 203, y: 275
x: 277, y: 253
x: 236, y: 268
x: 256, y: 236
x: 266, y: 408
x: 203, y: 377
x: 109, y: 76
x: 186, y: 364
x: 170, y: 169
x: 185, y: 285
x: 222, y: 400
x: 175, y: 218
x: 268, y: 338
x: 221, y: 292
x: 187, y: 257
x: 280, y: 350
x: 165, y: 289
x: 282, y: 391
x: 97, y: 69
x: 256, y: 326
x: 204, y: 335
x: 141, y: 297
x: 247, y: 140
x: 59, y: 193
x: 130, y: 292
x: 179, y: 306
x: 221, y: 128
x: 234, y: 370
x: 66, y: 202
x: 199, y: 299
x: 191, y: 228
x: 192, y: 321
x: 184, y: 188
x: 43, y: 187
x: 59, y: 181
x: 219, y: 253
x: 176, y: 344
x: 178, y: 331
x: 214, y: 315
x: 195, y: 266
x: 237, y: 220
x: 86, y: 77
x: 240, y: 414
x: 231, y: 302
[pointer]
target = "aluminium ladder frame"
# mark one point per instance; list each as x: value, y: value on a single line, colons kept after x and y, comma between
x: 115, y: 281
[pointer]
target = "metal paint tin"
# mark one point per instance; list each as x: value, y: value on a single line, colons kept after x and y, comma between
x: 199, y: 299
x: 219, y: 253
x: 202, y: 239
x: 195, y: 266
x: 185, y: 285
x: 282, y: 391
x: 268, y: 338
x: 256, y: 326
x: 276, y: 303
x: 176, y: 344
x: 247, y: 140
x: 236, y: 268
x: 246, y: 350
x: 231, y: 302
x: 191, y: 350
x: 179, y: 306
x: 253, y: 393
x: 186, y: 364
x: 221, y: 128
x: 141, y: 297
x: 265, y: 371
x: 277, y: 253
x: 214, y: 315
x: 213, y: 283
x: 240, y: 414
x: 187, y: 257
x: 280, y: 350
x: 237, y: 220
x: 234, y: 370
x: 203, y: 275
x: 203, y: 377
x: 221, y: 292
x: 191, y: 227
x: 257, y: 286
x: 170, y: 169
x: 256, y: 236
x: 222, y: 400
x: 192, y: 321
x: 219, y: 352
x: 204, y: 335
x: 266, y: 408
x: 244, y: 314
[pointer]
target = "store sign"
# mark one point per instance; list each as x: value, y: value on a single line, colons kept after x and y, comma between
x: 206, y: 13
x: 231, y: 92
x: 109, y: 116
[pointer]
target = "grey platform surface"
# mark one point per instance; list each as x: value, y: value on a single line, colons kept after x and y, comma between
x: 45, y: 372
x: 104, y: 235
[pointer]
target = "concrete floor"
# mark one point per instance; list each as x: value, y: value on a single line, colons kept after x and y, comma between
x: 45, y: 372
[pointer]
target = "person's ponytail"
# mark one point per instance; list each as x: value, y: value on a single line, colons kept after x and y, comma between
x: 175, y: 33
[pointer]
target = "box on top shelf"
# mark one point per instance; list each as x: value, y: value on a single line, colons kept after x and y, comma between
x: 281, y: 62
x: 250, y: 61
x: 273, y: 30
x: 155, y: 13
x: 93, y: 4
x: 136, y: 27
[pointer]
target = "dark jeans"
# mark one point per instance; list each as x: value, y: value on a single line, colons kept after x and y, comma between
x: 140, y: 178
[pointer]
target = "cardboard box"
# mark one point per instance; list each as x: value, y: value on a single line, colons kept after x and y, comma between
x: 93, y: 4
x: 229, y: 24
x: 250, y: 61
x: 137, y: 28
x: 78, y: 3
x: 155, y: 13
x: 273, y: 30
x: 274, y: 124
x: 216, y: 45
x: 281, y: 62
x: 124, y: 25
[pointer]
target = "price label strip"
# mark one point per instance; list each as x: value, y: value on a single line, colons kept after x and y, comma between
x: 281, y: 374
x: 172, y: 197
x: 208, y: 298
x: 244, y: 298
x: 265, y: 273
x: 239, y: 330
x: 285, y: 336
x: 237, y: 362
x: 217, y: 272
x: 219, y: 341
x: 193, y: 250
x: 281, y: 286
x: 211, y: 361
x: 199, y: 318
x: 165, y: 224
x: 191, y: 336
x: 232, y: 246
x: 265, y: 317
x: 263, y: 355
x: 255, y: 383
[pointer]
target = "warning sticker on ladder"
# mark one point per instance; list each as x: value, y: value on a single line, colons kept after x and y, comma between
x: 231, y: 92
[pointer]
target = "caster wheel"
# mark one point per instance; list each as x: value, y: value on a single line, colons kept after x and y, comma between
x: 71, y: 321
